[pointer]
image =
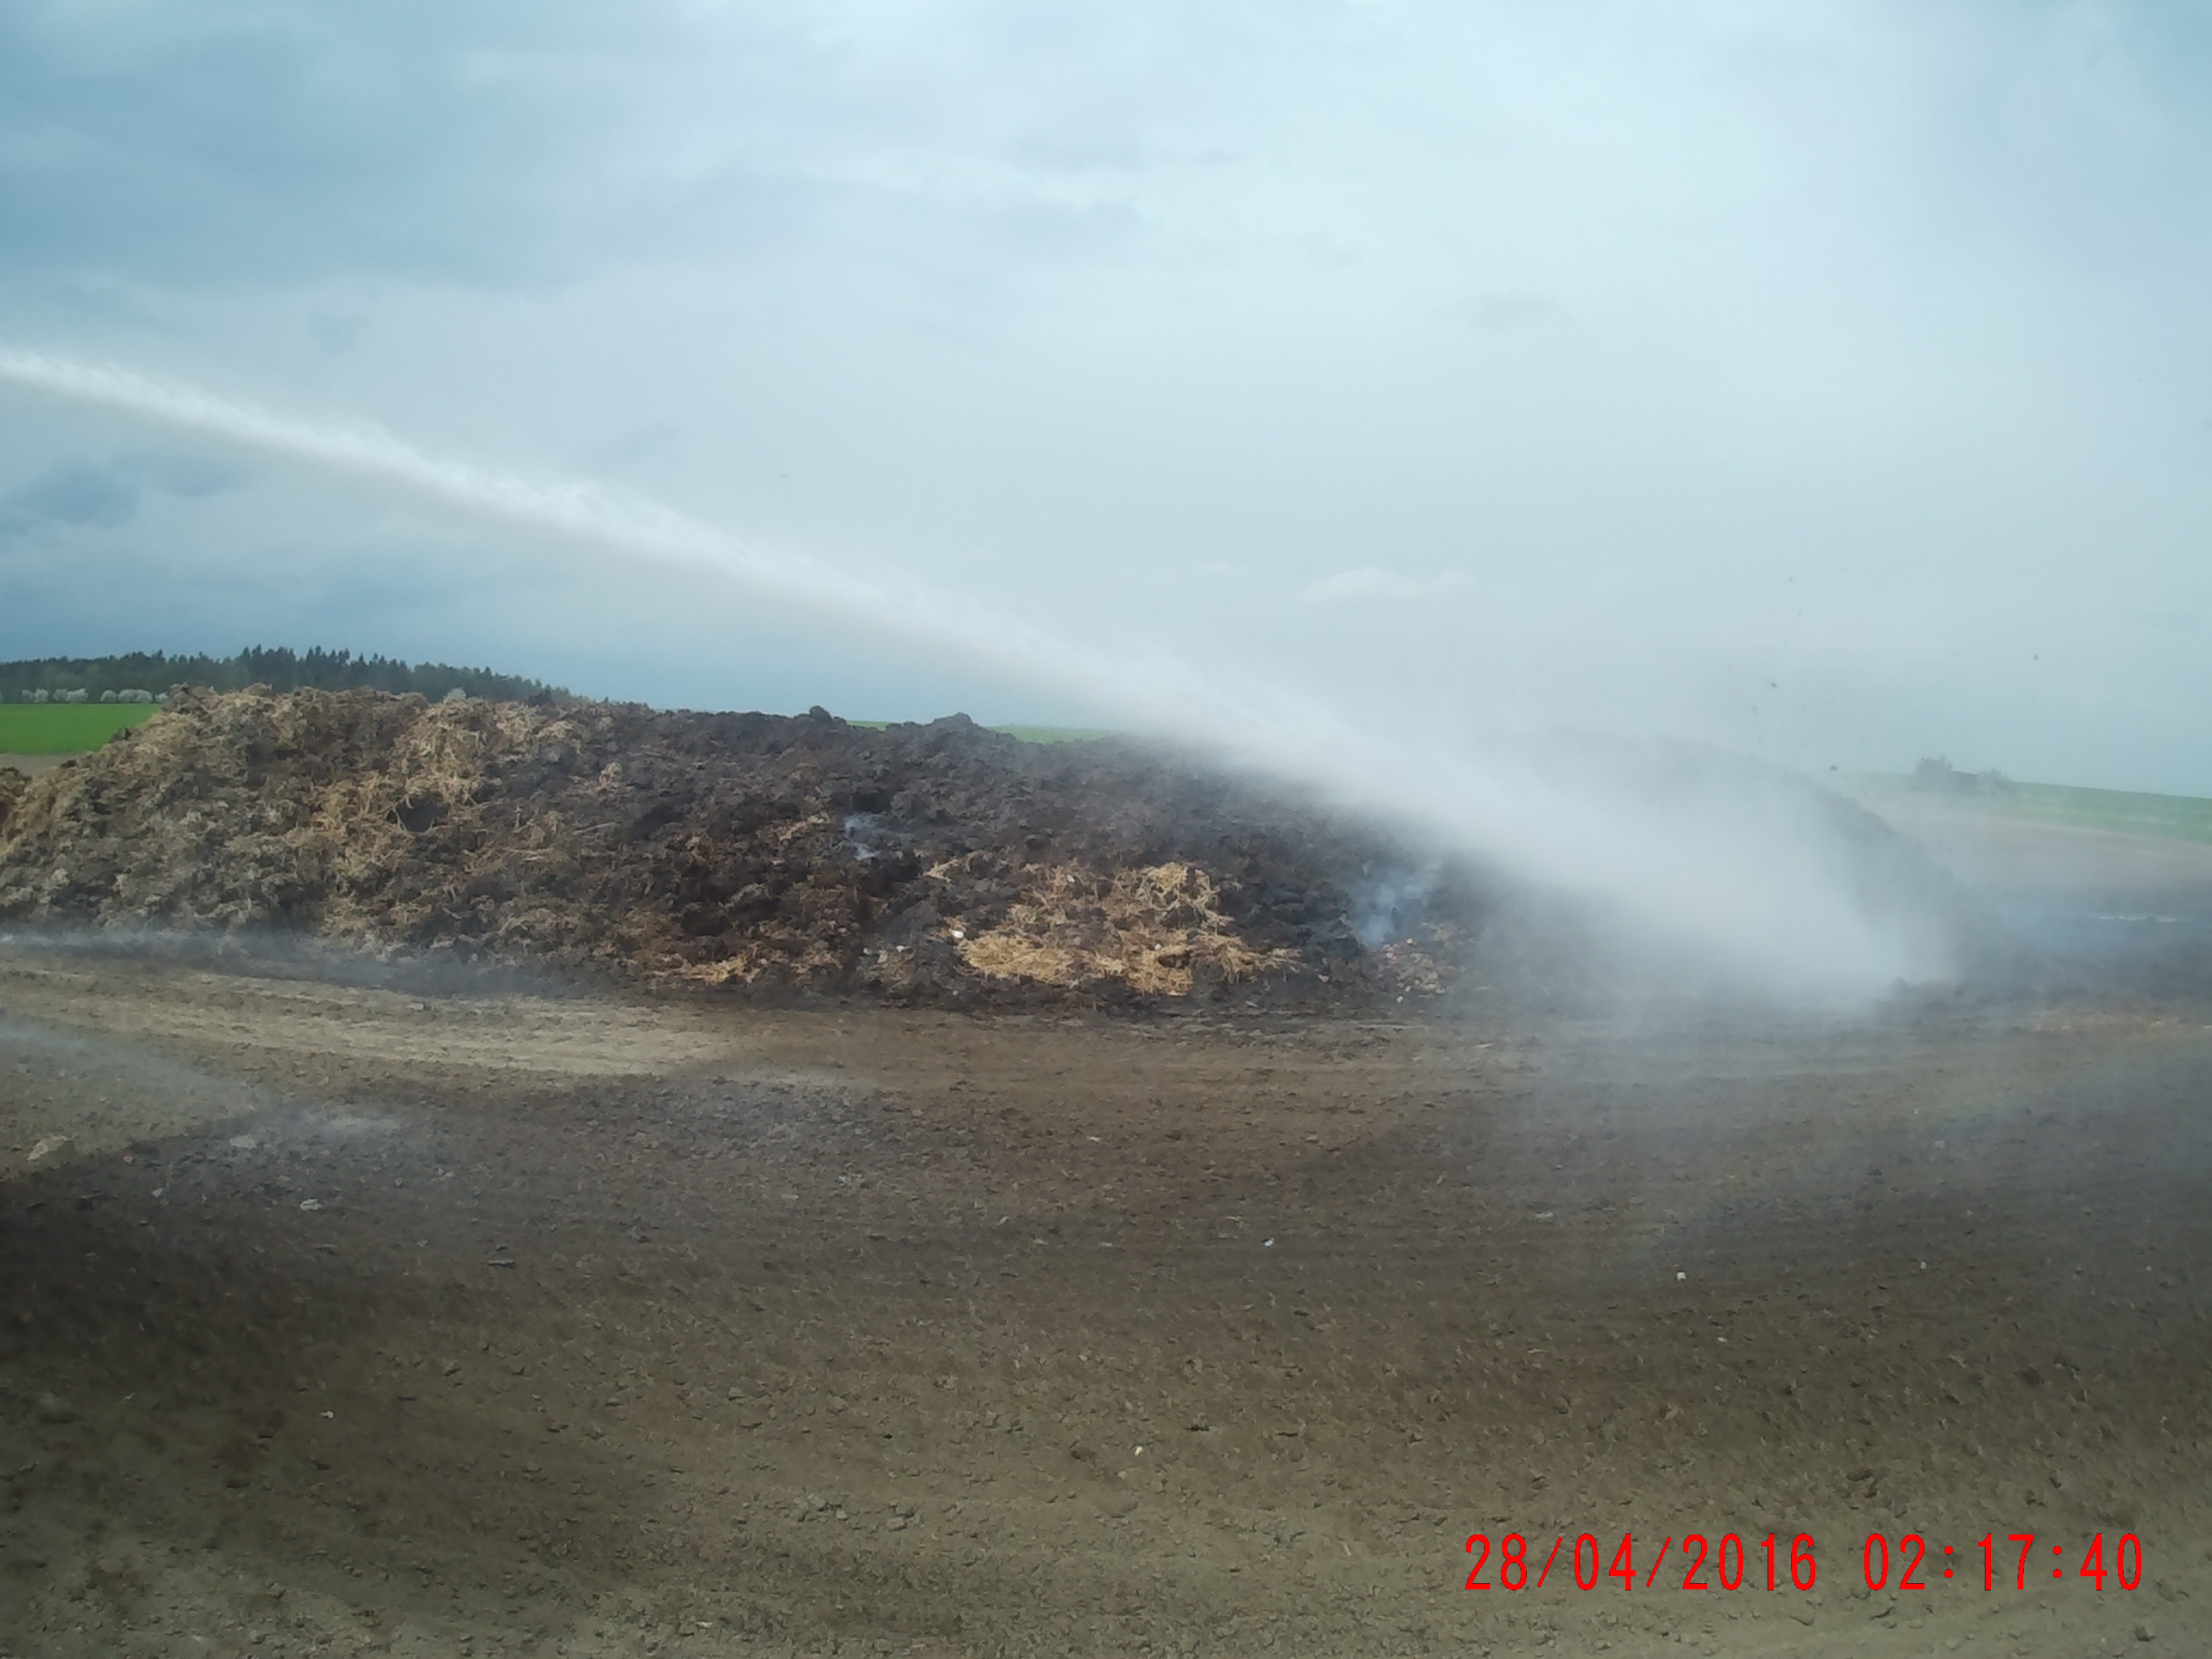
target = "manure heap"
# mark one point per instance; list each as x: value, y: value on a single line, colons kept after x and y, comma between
x: 939, y: 863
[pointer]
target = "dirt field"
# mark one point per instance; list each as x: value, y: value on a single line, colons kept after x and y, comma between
x: 340, y: 1319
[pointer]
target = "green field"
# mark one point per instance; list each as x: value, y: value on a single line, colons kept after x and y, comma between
x: 73, y: 728
x: 70, y: 728
x: 2179, y: 818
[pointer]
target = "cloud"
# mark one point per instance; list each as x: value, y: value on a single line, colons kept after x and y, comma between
x: 107, y: 495
x: 518, y: 144
x: 1499, y: 312
x: 238, y: 141
x: 1367, y: 584
x: 178, y: 474
x: 73, y: 493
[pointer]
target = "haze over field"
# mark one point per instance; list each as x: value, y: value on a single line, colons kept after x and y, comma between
x: 1349, y: 386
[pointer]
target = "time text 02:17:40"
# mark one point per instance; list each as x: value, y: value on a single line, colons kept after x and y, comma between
x: 1729, y: 1564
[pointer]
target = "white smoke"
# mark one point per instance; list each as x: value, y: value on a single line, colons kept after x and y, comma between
x: 1756, y: 877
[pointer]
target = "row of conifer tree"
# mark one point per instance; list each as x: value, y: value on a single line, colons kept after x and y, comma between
x: 278, y: 667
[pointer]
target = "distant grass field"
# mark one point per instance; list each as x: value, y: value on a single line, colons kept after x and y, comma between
x: 70, y: 728
x: 2178, y: 817
x: 75, y: 728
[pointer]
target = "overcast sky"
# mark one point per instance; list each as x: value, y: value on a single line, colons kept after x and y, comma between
x: 1833, y: 382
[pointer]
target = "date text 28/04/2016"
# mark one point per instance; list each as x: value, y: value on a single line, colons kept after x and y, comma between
x: 2009, y: 1561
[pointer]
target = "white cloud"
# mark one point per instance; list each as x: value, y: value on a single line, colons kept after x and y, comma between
x: 1366, y: 584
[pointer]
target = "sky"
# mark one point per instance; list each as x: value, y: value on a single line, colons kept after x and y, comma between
x: 1832, y: 383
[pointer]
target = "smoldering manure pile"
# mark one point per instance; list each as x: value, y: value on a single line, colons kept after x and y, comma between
x: 933, y: 863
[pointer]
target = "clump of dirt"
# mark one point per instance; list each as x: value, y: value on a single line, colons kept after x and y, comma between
x: 938, y: 862
x: 12, y: 783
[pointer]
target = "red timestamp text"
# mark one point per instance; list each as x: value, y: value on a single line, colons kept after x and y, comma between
x: 1727, y: 1562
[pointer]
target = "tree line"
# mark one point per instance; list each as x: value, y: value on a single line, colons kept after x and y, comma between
x: 278, y: 667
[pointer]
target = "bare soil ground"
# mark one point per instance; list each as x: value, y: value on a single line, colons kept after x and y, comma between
x: 344, y: 1319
